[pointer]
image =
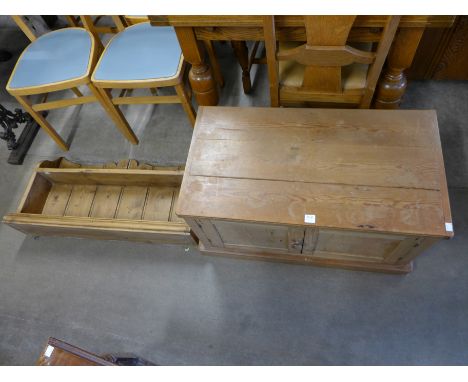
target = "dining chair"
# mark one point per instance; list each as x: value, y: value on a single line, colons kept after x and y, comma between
x: 143, y: 57
x: 60, y: 60
x: 326, y: 69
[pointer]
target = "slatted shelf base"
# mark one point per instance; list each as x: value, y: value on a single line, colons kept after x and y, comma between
x: 125, y: 200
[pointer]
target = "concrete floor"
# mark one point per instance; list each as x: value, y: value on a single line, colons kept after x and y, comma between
x: 175, y: 307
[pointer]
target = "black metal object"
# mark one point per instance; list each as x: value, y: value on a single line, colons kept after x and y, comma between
x: 24, y: 142
x: 9, y: 121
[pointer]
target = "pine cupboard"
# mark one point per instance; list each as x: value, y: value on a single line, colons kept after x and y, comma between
x: 356, y: 189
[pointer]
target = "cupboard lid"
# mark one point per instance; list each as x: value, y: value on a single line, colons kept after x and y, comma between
x: 353, y: 169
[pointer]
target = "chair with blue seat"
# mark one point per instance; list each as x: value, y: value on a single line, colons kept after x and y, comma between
x: 143, y: 57
x: 60, y: 60
x: 122, y: 22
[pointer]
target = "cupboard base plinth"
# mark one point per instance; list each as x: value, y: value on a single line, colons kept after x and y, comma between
x: 309, y: 260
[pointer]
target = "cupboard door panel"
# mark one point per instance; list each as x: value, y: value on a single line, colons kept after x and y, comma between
x: 259, y: 237
x: 361, y: 246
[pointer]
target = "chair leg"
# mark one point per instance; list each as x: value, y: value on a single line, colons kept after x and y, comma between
x: 242, y: 54
x: 114, y: 113
x: 214, y: 62
x: 39, y: 118
x: 124, y: 93
x: 186, y: 104
x: 77, y: 92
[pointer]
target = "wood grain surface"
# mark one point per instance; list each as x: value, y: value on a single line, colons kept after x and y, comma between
x: 409, y: 21
x: 60, y: 353
x: 364, y: 170
x: 113, y: 201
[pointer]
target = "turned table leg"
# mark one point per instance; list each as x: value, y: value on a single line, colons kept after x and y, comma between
x: 392, y: 83
x: 242, y: 53
x: 201, y: 78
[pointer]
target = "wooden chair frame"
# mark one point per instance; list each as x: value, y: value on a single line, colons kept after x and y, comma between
x: 326, y: 59
x: 75, y: 21
x: 208, y: 44
x: 122, y: 22
x: 125, y: 98
x: 24, y: 27
x: 23, y: 96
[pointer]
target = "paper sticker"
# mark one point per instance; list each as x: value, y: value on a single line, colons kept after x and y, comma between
x: 49, y: 351
x: 309, y: 219
x: 449, y: 227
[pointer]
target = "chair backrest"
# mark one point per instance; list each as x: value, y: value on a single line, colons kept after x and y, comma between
x: 100, y: 31
x: 32, y: 26
x: 121, y: 22
x: 77, y: 21
x: 323, y: 56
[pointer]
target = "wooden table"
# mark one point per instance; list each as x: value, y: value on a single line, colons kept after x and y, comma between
x: 392, y: 83
x: 359, y: 189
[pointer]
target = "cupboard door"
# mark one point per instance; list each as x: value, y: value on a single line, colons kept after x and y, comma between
x: 255, y: 237
x: 358, y: 246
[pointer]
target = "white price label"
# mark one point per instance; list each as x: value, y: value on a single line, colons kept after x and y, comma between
x: 49, y: 351
x: 449, y: 227
x: 309, y: 219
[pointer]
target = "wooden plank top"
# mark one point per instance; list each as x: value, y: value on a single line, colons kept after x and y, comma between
x: 410, y: 21
x: 370, y: 170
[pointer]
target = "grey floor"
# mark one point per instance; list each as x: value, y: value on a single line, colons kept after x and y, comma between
x: 176, y: 307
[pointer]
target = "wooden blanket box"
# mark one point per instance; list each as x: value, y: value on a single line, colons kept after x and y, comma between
x: 356, y: 189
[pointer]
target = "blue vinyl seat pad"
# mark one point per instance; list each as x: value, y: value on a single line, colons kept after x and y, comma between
x: 140, y: 52
x: 54, y: 57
